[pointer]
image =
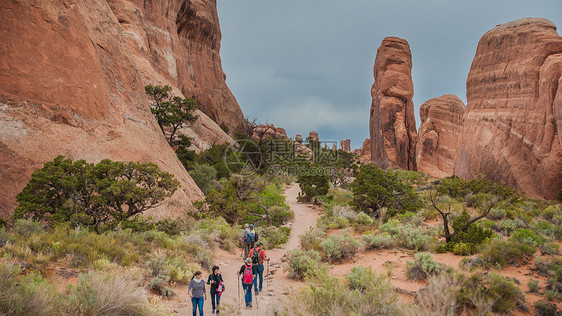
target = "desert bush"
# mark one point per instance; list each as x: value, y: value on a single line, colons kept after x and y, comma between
x: 273, y: 237
x: 505, y: 293
x: 302, y: 263
x: 459, y: 188
x: 26, y: 295
x: 547, y: 248
x: 339, y: 246
x: 379, y: 241
x: 546, y: 229
x: 280, y: 215
x: 159, y: 285
x: 465, y: 242
x: 204, y: 176
x: 360, y: 278
x: 497, y: 214
x: 311, y: 239
x: 363, y: 219
x: 508, y: 225
x: 375, y: 188
x: 552, y: 294
x: 501, y: 253
x: 526, y: 236
x: 409, y: 236
x: 344, y: 211
x: 340, y: 196
x: 157, y: 265
x: 422, y: 266
x: 440, y: 295
x: 545, y: 308
x: 312, y: 184
x: 4, y: 236
x: 534, y: 286
x: 27, y: 227
x: 99, y: 293
x: 560, y: 196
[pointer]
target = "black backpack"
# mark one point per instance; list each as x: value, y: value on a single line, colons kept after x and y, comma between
x: 256, y: 256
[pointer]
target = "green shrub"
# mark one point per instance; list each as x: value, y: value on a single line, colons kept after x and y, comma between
x: 360, y: 278
x: 509, y: 225
x: 560, y: 196
x: 273, y: 237
x: 548, y: 248
x: 311, y: 182
x: 552, y: 294
x: 551, y: 268
x: 497, y: 214
x: 547, y: 229
x: 545, y: 308
x: 26, y: 295
x: 98, y: 293
x: 156, y: 266
x: 340, y: 196
x: 505, y: 293
x: 27, y: 227
x: 526, y: 236
x: 379, y: 241
x: 534, y: 286
x: 502, y: 253
x: 441, y: 295
x: 458, y: 188
x: 4, y: 236
x: 339, y: 246
x: 311, y: 239
x: 422, y: 266
x: 364, y: 219
x: 159, y: 285
x: 375, y: 188
x: 204, y: 176
x: 302, y: 263
x: 465, y: 242
x: 345, y: 212
x: 280, y: 215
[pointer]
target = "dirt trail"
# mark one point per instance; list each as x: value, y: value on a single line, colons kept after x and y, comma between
x: 229, y: 263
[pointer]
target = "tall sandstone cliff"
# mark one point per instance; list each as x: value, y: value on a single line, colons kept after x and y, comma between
x: 392, y: 122
x: 512, y: 123
x: 441, y: 124
x: 72, y: 77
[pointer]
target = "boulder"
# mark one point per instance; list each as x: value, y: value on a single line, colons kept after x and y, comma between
x: 511, y: 128
x: 441, y: 123
x: 392, y: 122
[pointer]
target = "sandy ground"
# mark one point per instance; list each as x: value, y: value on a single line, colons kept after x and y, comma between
x: 306, y: 217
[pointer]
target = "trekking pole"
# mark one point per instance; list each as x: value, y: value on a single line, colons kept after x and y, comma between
x: 268, y: 275
x: 238, y: 290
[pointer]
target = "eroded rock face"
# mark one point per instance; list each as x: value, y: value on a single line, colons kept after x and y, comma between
x: 264, y: 131
x: 313, y: 135
x: 392, y: 122
x: 72, y: 83
x: 511, y: 129
x: 441, y: 123
x: 346, y: 145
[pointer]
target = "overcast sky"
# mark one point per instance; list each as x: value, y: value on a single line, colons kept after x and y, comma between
x: 308, y: 64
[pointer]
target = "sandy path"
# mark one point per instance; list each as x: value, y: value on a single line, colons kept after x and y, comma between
x: 305, y: 218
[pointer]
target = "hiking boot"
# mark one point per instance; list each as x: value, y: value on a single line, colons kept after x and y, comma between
x: 257, y: 292
x: 250, y: 305
x: 214, y: 311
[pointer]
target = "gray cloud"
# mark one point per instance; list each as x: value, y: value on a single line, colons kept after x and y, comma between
x: 299, y: 63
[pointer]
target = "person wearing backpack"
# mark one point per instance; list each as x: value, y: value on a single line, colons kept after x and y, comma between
x: 196, y: 290
x: 245, y: 235
x: 217, y: 288
x: 248, y: 275
x: 258, y: 256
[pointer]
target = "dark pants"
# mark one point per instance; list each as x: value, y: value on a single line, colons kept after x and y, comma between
x: 197, y: 302
x: 248, y: 291
x: 215, y: 298
x: 247, y: 247
x: 259, y: 274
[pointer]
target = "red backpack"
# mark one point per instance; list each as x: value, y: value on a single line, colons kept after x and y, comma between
x: 248, y: 277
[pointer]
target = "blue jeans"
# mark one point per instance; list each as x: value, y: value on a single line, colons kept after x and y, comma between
x: 197, y: 302
x: 215, y: 298
x: 248, y: 296
x: 259, y: 272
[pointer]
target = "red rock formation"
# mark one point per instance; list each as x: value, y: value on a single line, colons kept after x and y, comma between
x: 280, y: 132
x: 364, y: 152
x: 313, y: 135
x: 298, y: 138
x: 441, y: 123
x: 72, y: 82
x: 392, y: 123
x: 177, y: 43
x: 264, y: 131
x: 346, y: 145
x: 511, y: 130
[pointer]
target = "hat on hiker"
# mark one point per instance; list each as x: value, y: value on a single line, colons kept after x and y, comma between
x: 248, y: 261
x: 251, y: 226
x: 246, y: 226
x: 259, y: 244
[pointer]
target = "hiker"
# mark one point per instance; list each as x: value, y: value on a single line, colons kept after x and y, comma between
x: 217, y: 288
x: 196, y: 290
x: 248, y: 275
x: 245, y: 234
x: 258, y: 256
x: 250, y: 237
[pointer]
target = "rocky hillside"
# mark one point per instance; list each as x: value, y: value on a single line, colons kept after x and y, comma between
x: 72, y: 82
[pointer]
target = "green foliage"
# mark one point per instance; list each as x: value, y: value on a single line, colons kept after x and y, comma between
x: 27, y: 227
x: 501, y: 253
x: 526, y: 236
x: 505, y: 293
x: 312, y: 182
x: 363, y: 219
x: 534, y: 286
x: 545, y: 308
x: 170, y: 112
x: 458, y: 188
x: 340, y: 196
x: 339, y: 246
x: 552, y: 294
x: 497, y: 214
x: 409, y: 236
x: 422, y: 266
x: 379, y: 241
x: 375, y: 188
x: 360, y: 278
x: 204, y: 176
x: 93, y: 194
x: 273, y: 237
x: 4, y: 236
x: 26, y: 295
x: 552, y: 268
x: 560, y: 196
x: 302, y: 263
x: 465, y: 242
x: 312, y: 238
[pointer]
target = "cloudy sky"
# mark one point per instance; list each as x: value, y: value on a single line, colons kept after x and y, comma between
x: 308, y: 64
